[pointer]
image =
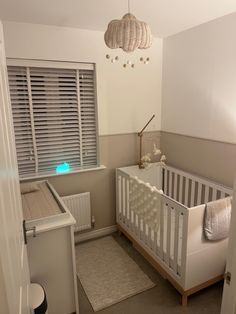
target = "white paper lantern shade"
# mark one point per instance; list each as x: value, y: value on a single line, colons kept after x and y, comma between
x: 128, y: 34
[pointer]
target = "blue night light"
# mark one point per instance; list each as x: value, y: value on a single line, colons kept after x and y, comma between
x: 65, y: 167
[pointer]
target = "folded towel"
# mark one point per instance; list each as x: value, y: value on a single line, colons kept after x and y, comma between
x: 217, y: 219
x: 28, y: 188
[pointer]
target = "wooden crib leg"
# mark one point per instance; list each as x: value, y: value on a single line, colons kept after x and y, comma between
x: 184, y: 300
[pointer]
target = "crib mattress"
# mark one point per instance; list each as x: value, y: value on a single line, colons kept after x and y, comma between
x: 39, y: 203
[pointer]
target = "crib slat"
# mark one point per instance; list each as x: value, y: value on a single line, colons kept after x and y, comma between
x: 145, y: 233
x: 149, y: 239
x: 214, y: 193
x: 124, y: 199
x: 131, y: 221
x: 165, y: 181
x: 170, y: 183
x: 183, y: 244
x: 127, y: 203
x: 168, y: 235
x: 181, y: 189
x: 155, y: 242
x: 120, y: 198
x: 137, y: 223
x: 199, y: 194
x: 192, y: 193
x: 222, y: 194
x: 134, y: 228
x: 161, y: 230
x: 175, y: 185
x: 176, y: 242
x: 134, y: 223
x: 186, y: 191
x: 141, y: 229
x: 206, y: 196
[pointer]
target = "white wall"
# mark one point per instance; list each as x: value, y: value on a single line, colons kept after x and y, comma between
x: 126, y: 97
x: 199, y: 81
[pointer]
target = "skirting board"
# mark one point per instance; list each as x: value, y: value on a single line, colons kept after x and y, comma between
x: 81, y: 237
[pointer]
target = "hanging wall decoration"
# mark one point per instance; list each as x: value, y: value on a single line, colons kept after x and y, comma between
x: 128, y: 34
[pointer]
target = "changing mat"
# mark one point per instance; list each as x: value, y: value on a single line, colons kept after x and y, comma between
x: 217, y: 219
x: 39, y: 202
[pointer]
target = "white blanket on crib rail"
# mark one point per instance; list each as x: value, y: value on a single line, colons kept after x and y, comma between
x: 145, y: 201
x: 217, y: 219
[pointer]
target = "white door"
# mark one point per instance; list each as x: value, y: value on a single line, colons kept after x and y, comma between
x: 13, y: 257
x: 229, y: 294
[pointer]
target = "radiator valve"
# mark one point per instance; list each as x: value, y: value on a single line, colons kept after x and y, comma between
x: 93, y: 221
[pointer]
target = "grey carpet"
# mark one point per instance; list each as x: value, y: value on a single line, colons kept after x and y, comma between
x: 162, y: 299
x: 107, y: 274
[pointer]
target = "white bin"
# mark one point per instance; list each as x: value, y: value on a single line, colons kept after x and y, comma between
x: 38, y: 300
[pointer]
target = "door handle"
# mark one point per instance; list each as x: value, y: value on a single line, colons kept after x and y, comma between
x: 25, y: 230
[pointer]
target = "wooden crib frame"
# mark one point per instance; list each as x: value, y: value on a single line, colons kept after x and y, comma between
x: 202, y: 262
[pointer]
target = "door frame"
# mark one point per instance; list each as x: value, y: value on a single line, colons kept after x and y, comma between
x: 229, y: 293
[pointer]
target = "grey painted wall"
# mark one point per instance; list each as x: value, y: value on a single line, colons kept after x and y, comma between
x: 212, y: 159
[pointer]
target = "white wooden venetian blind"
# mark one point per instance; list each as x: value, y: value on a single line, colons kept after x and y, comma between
x: 88, y: 116
x: 22, y: 120
x: 54, y: 114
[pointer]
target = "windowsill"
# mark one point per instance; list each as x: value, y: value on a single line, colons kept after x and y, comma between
x: 102, y: 167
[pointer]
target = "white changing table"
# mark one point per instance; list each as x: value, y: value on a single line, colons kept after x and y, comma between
x: 51, y: 256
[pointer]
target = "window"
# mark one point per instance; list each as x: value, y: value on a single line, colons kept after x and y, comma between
x: 54, y: 116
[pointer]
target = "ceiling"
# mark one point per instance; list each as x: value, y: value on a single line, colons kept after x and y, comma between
x: 165, y: 17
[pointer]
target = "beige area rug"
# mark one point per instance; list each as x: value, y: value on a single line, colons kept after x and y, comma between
x: 107, y: 274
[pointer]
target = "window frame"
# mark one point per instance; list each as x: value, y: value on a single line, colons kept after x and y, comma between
x: 27, y: 63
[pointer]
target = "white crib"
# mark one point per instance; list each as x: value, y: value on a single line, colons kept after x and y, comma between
x: 178, y: 248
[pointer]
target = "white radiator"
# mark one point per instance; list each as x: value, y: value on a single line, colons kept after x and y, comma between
x: 79, y: 206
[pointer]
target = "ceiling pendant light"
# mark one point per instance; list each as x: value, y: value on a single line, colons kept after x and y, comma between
x: 128, y: 33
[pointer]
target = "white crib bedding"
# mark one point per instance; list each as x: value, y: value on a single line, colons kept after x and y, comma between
x: 145, y: 207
